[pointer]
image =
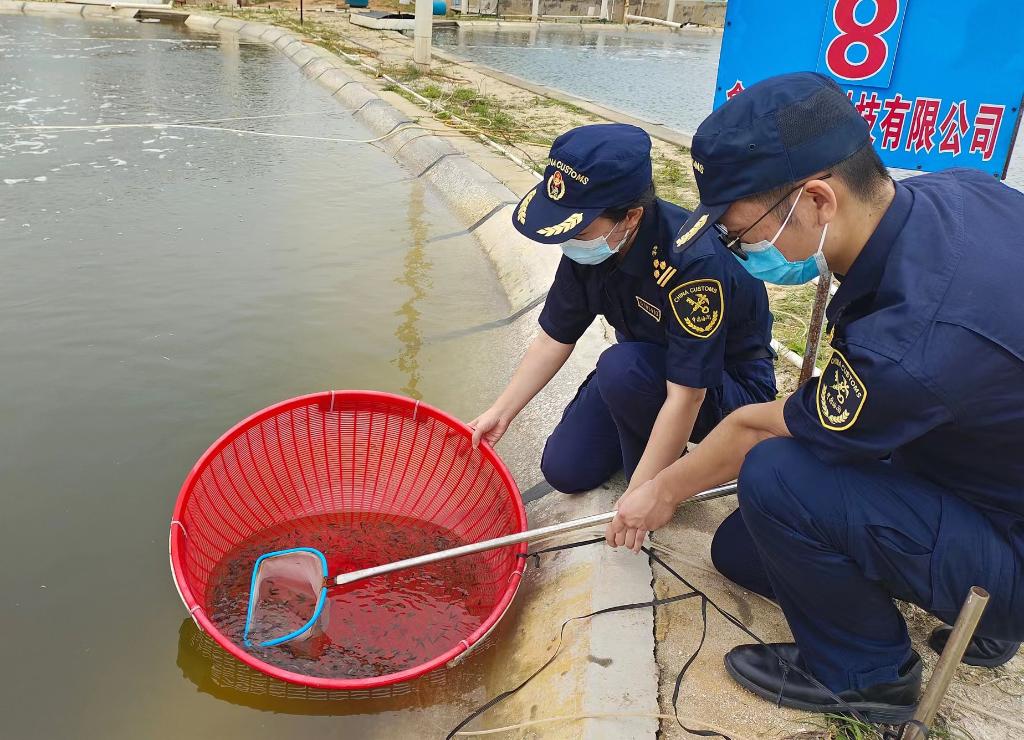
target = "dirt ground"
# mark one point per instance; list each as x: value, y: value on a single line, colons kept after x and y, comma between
x: 981, y: 703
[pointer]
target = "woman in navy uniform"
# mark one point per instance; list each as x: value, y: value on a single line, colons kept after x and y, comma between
x: 897, y: 473
x: 693, y: 329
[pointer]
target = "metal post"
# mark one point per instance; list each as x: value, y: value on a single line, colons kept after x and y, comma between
x: 535, y: 11
x: 625, y: 14
x: 966, y: 622
x: 302, y: 13
x: 422, y: 29
x: 814, y: 330
x: 671, y: 14
x: 604, y: 10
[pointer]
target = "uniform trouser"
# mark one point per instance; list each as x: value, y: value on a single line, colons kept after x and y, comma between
x: 606, y: 426
x: 834, y: 544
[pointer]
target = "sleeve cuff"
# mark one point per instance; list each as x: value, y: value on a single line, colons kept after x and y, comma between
x: 560, y: 334
x: 695, y: 378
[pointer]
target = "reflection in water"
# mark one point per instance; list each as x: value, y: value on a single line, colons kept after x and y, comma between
x: 215, y: 672
x: 455, y: 690
x: 414, y: 277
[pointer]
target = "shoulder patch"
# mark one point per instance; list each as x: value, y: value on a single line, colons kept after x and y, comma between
x: 841, y: 394
x: 698, y: 306
x: 693, y: 230
x: 663, y: 272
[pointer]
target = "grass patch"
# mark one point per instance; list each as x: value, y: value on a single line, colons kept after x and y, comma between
x: 792, y: 310
x: 555, y: 103
x: 673, y: 180
x: 839, y: 727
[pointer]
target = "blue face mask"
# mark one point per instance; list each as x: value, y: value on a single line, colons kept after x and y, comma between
x: 765, y: 261
x: 592, y: 251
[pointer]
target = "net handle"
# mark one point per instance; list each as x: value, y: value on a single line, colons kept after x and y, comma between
x: 509, y: 539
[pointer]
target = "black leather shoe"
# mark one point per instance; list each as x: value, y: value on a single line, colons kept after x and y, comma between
x: 757, y: 669
x: 981, y: 651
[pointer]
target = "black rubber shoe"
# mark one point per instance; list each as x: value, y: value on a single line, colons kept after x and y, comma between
x: 757, y: 669
x: 981, y: 651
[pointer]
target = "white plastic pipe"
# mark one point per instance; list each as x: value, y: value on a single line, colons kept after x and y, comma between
x: 655, y: 21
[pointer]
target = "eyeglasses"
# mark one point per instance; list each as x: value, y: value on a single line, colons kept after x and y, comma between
x: 733, y: 243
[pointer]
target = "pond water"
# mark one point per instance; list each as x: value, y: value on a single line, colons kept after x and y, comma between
x: 663, y: 77
x: 158, y: 284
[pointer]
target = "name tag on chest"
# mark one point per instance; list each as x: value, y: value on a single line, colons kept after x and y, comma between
x: 648, y: 308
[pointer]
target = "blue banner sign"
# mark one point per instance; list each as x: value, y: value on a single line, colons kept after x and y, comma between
x: 940, y: 83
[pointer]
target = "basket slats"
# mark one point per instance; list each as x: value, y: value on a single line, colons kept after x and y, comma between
x: 374, y: 455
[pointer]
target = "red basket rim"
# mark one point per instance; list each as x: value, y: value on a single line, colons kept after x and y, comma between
x: 178, y: 538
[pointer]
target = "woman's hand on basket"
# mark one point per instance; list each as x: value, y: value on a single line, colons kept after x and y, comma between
x: 490, y: 425
x: 642, y: 510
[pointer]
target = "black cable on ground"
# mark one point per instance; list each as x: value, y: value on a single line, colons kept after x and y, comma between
x: 693, y: 592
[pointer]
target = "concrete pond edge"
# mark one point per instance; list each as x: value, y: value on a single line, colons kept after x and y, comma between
x: 610, y: 667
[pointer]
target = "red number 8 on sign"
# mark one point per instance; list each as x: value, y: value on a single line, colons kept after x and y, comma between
x: 867, y: 35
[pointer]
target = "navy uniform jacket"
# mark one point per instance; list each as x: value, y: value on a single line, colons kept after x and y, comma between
x: 928, y: 338
x: 701, y: 304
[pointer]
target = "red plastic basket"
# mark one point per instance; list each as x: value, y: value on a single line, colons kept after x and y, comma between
x: 345, y: 451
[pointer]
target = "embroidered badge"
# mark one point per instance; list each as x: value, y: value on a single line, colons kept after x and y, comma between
x: 662, y: 272
x: 556, y: 186
x: 649, y: 308
x: 841, y: 394
x: 696, y: 227
x: 570, y: 223
x: 698, y: 306
x: 521, y: 213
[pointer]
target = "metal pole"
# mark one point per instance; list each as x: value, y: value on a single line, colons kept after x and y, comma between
x: 966, y: 622
x: 604, y: 10
x: 535, y: 12
x: 511, y: 539
x: 422, y: 29
x: 671, y: 14
x: 625, y: 14
x: 302, y: 13
x: 814, y: 330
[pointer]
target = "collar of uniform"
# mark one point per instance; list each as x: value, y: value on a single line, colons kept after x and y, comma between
x: 638, y: 259
x: 866, y: 271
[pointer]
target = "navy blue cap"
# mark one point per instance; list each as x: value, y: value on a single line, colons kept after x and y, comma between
x: 590, y: 169
x: 781, y: 130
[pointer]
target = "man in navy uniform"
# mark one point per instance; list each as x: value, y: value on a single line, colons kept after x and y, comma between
x: 897, y: 473
x: 693, y: 328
